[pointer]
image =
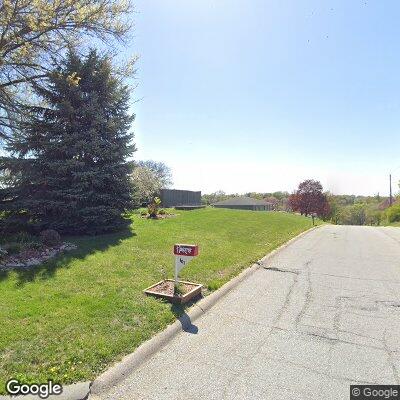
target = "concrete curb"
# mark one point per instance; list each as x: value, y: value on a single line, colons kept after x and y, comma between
x: 129, y: 363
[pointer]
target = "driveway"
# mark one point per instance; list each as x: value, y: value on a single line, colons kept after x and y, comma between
x: 323, y: 314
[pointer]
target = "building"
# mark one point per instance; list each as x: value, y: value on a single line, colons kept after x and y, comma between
x: 180, y: 198
x: 244, y: 203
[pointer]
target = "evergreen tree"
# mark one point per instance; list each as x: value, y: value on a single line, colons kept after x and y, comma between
x: 68, y: 168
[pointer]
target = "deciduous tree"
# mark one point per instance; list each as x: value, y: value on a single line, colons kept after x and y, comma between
x: 160, y: 170
x: 309, y: 198
x: 146, y: 183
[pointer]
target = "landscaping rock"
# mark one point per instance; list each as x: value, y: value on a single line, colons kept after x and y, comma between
x: 14, y: 265
x: 32, y: 258
x: 32, y: 262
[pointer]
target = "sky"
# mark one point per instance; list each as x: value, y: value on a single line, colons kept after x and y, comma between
x: 249, y: 95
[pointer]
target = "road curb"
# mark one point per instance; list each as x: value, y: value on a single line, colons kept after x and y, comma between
x: 129, y: 363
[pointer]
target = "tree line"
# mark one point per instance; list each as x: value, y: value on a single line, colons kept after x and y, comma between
x: 311, y: 199
x: 279, y: 200
x: 359, y: 210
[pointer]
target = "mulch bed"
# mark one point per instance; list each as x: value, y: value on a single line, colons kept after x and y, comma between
x: 161, y: 216
x: 167, y: 287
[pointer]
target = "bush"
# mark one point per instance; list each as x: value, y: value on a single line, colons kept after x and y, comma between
x: 143, y: 213
x: 33, y: 245
x: 393, y: 213
x: 373, y: 217
x: 162, y: 212
x: 50, y: 237
x: 154, y: 207
x: 3, y: 253
x: 353, y: 214
x: 13, y: 247
x: 12, y: 225
x: 22, y: 237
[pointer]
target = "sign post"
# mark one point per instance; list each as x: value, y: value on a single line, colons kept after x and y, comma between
x: 313, y: 215
x: 184, y: 253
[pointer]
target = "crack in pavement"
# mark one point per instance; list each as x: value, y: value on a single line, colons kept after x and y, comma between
x: 338, y: 315
x: 390, y: 358
x: 276, y: 269
x: 355, y: 277
x: 307, y: 294
x: 389, y: 303
x: 335, y: 340
x: 286, y: 302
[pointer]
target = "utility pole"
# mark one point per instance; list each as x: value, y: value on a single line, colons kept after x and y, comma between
x: 390, y: 187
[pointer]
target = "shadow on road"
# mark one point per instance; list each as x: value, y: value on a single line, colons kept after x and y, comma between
x: 187, y: 325
x: 183, y: 317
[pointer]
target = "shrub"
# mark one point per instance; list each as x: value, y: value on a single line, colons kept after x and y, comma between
x: 143, y: 213
x: 12, y: 225
x: 373, y: 217
x: 3, y: 253
x: 13, y: 247
x: 354, y: 214
x: 153, y: 207
x: 23, y: 237
x: 33, y: 245
x: 393, y: 213
x: 162, y: 212
x: 50, y: 237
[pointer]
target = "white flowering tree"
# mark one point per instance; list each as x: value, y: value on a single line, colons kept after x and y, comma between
x: 146, y: 183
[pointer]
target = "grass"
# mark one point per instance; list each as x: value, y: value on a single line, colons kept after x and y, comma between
x: 397, y: 224
x: 75, y: 315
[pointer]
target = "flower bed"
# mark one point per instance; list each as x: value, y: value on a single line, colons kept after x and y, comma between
x: 32, y: 257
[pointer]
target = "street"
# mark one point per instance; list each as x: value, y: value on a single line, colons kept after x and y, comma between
x: 323, y: 313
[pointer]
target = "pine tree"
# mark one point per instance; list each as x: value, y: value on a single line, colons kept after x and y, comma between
x: 69, y: 167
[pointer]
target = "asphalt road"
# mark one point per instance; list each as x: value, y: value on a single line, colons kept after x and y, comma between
x: 323, y: 314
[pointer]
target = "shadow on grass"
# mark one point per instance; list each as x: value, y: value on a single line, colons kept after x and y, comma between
x: 86, y: 245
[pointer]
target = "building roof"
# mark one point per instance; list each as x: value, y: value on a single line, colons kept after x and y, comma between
x: 241, y: 201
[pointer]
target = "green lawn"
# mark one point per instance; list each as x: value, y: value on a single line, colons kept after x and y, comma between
x: 74, y: 316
